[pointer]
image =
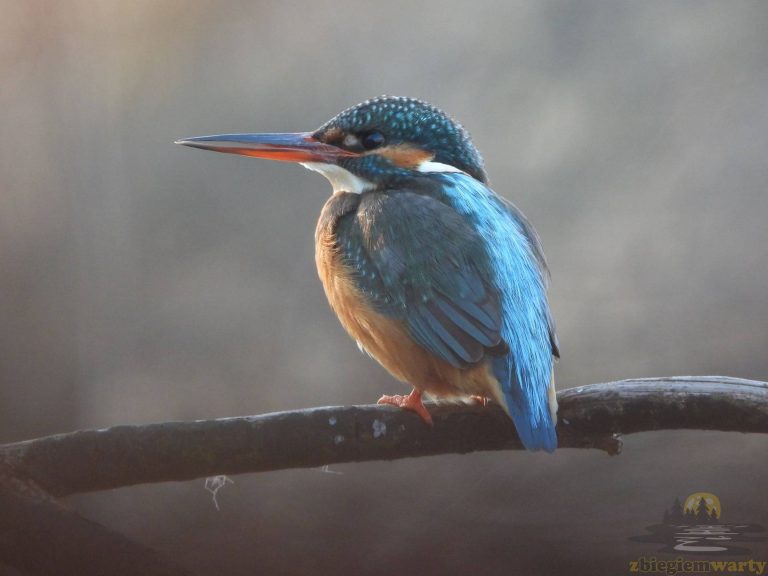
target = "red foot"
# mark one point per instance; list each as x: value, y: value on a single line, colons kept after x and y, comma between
x: 479, y: 400
x: 410, y: 402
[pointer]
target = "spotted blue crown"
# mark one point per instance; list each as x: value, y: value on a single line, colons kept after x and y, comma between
x: 396, y: 120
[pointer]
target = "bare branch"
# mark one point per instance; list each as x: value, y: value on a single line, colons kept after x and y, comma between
x: 590, y: 417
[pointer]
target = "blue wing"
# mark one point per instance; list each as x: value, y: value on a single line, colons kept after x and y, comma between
x: 415, y: 258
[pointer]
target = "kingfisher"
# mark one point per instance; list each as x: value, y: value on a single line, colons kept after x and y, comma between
x: 437, y: 277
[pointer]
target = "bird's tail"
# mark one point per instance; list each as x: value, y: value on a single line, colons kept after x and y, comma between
x: 534, y: 417
x: 535, y: 436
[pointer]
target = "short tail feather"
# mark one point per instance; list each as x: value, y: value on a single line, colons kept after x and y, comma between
x: 534, y: 420
x: 534, y: 436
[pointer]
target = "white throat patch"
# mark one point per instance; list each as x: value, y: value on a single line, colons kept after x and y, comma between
x: 437, y: 167
x: 341, y: 179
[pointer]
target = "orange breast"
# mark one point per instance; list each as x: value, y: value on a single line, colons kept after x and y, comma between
x: 386, y: 339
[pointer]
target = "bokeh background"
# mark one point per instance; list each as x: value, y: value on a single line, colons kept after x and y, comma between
x: 142, y: 281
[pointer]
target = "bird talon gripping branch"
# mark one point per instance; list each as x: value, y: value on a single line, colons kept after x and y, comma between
x: 411, y: 402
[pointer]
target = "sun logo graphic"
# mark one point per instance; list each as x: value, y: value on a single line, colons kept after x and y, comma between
x: 702, y: 505
x: 697, y: 526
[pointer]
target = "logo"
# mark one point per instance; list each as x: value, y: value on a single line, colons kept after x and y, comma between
x: 698, y: 532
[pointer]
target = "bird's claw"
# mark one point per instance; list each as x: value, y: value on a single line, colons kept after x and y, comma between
x: 479, y: 400
x: 411, y: 402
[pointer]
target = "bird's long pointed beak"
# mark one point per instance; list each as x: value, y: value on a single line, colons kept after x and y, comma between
x: 287, y: 147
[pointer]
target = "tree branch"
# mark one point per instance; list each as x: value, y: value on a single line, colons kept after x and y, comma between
x: 39, y: 536
x: 590, y: 417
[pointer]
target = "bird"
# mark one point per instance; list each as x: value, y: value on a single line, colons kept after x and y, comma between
x: 436, y: 276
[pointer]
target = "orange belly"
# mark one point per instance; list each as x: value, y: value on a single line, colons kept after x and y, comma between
x: 387, y: 340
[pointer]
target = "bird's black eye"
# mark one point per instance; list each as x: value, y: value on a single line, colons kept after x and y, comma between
x: 372, y: 139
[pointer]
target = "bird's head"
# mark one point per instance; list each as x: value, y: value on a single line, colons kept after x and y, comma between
x: 379, y: 143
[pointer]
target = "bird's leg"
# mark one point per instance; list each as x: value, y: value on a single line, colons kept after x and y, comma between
x: 479, y: 400
x: 410, y: 402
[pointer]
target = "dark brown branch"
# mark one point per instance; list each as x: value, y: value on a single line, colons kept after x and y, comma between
x: 590, y: 417
x: 40, y: 537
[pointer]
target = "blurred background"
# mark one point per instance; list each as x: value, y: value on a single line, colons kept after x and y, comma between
x: 142, y: 281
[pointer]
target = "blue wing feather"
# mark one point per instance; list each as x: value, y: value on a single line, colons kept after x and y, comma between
x: 459, y: 319
x: 424, y: 331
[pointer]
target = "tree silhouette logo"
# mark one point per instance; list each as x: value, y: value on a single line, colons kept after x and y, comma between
x: 698, y: 508
x: 703, y: 506
x: 697, y: 526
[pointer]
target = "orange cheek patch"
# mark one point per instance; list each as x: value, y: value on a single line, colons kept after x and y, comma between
x: 405, y: 155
